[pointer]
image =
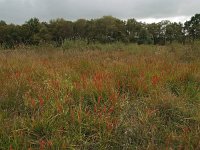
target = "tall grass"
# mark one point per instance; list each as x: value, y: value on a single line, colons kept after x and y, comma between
x: 83, y: 45
x: 110, y: 97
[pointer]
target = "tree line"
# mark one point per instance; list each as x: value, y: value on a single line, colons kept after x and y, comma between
x: 104, y: 30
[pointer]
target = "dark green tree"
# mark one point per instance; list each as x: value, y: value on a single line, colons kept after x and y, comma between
x: 2, y: 31
x: 174, y: 32
x: 144, y: 36
x: 31, y: 30
x: 60, y: 30
x: 192, y: 27
x: 80, y: 29
x: 155, y: 31
x: 133, y: 28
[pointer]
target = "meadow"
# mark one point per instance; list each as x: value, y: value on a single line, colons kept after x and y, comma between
x: 113, y: 96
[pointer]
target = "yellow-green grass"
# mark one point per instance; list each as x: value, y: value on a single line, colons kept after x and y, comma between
x: 139, y: 97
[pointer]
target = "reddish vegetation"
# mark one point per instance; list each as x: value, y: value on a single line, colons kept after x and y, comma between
x: 99, y: 99
x: 155, y: 80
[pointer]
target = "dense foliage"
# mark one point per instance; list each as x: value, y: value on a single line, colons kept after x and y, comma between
x: 104, y: 30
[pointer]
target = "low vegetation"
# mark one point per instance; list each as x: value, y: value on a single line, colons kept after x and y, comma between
x: 100, y: 97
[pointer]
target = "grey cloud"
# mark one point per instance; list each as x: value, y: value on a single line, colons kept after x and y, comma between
x: 18, y: 11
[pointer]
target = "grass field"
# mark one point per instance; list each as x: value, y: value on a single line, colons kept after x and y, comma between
x: 133, y: 97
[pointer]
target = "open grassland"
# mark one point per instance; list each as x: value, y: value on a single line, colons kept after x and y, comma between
x: 139, y: 97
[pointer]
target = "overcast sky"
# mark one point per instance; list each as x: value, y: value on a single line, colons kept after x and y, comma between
x: 18, y: 11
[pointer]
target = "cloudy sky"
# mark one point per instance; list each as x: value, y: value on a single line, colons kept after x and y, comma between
x: 18, y: 11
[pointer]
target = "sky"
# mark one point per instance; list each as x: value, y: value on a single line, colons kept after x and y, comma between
x: 19, y: 11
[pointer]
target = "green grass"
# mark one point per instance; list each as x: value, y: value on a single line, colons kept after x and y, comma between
x: 112, y: 96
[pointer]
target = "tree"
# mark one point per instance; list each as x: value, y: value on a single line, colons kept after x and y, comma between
x: 60, y: 30
x: 155, y: 31
x: 163, y: 29
x: 174, y: 32
x: 106, y: 29
x: 192, y: 27
x: 31, y: 30
x: 90, y: 31
x: 109, y: 29
x: 44, y: 33
x: 2, y: 32
x: 10, y: 36
x: 80, y: 29
x: 133, y: 28
x: 144, y: 36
